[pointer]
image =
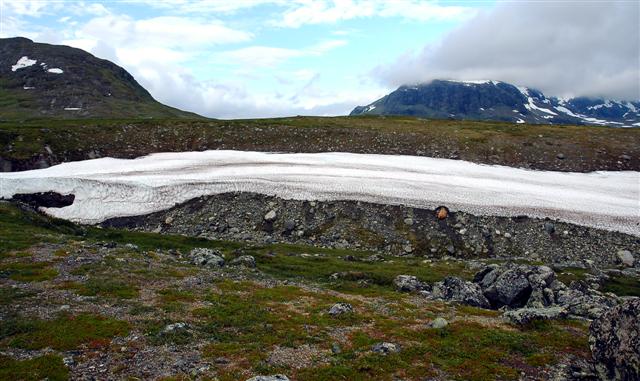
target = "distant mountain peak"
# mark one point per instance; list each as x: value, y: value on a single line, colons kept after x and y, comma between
x: 43, y: 80
x: 500, y: 101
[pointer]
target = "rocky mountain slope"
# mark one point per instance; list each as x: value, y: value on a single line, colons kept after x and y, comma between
x: 495, y: 100
x: 42, y: 80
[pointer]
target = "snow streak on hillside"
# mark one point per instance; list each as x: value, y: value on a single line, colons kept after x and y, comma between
x: 107, y: 187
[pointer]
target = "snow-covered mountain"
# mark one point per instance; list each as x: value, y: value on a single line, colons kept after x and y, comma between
x: 495, y: 100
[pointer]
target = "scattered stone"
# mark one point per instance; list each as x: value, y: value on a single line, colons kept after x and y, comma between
x: 270, y: 216
x: 626, y: 258
x: 374, y: 258
x: 525, y: 316
x: 275, y: 377
x: 68, y: 361
x: 385, y: 348
x: 335, y: 348
x: 408, y: 221
x: 170, y: 328
x: 442, y: 212
x: 438, y: 323
x: 407, y: 248
x: 289, y: 225
x: 457, y: 290
x: 625, y: 157
x: 560, y: 156
x: 206, y: 257
x: 408, y: 283
x: 614, y: 339
x: 507, y: 235
x: 340, y: 309
x: 244, y: 260
x: 131, y: 246
x: 549, y: 227
x: 168, y: 220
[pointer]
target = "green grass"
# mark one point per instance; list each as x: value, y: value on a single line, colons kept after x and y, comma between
x: 49, y: 367
x: 65, y: 332
x: 622, y: 286
x: 28, y: 272
x: 110, y: 288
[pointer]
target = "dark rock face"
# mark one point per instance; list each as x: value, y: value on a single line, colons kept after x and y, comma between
x: 60, y: 81
x: 45, y: 199
x: 615, y: 342
x: 513, y: 287
x: 500, y: 101
x: 460, y: 291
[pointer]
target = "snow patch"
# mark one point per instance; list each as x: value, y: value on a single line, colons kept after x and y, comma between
x: 107, y: 187
x: 22, y: 63
x: 72, y: 108
x: 532, y: 106
x: 520, y: 121
x: 28, y: 87
x: 55, y: 70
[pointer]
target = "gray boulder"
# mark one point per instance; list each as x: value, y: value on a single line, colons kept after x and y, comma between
x: 580, y: 300
x: 206, y: 257
x: 525, y: 316
x: 517, y: 285
x: 614, y: 339
x: 385, y: 348
x: 408, y: 283
x: 244, y: 260
x: 340, y: 309
x: 438, y: 323
x: 275, y: 377
x: 461, y: 291
x: 626, y: 258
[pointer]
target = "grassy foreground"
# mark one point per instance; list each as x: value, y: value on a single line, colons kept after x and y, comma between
x: 102, y: 300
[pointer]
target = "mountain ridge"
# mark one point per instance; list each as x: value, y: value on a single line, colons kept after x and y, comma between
x: 500, y: 101
x: 58, y: 81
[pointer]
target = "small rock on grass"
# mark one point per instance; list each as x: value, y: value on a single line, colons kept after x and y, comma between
x: 526, y: 316
x: 385, y: 348
x: 275, y: 377
x: 340, y: 309
x: 244, y: 260
x: 438, y: 323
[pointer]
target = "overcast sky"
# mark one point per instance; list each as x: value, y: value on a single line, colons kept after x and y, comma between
x: 262, y: 58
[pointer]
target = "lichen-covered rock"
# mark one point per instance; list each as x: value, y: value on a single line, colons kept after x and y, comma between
x: 518, y: 286
x: 580, y: 300
x: 438, y: 323
x: 626, y: 258
x: 525, y: 316
x: 275, y: 377
x: 615, y: 342
x: 206, y: 257
x: 457, y: 290
x: 244, y: 260
x: 408, y: 283
x: 340, y: 309
x: 385, y: 348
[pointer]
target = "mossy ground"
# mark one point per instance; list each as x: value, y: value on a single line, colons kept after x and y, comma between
x: 118, y: 301
x: 586, y: 148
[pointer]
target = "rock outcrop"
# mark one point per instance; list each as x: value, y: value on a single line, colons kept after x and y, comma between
x: 615, y: 342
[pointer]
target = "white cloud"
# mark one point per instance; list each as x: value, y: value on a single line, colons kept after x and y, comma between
x: 563, y: 49
x: 305, y: 12
x: 267, y: 56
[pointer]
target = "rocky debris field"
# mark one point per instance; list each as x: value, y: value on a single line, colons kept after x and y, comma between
x: 86, y: 303
x: 37, y: 144
x: 391, y: 230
